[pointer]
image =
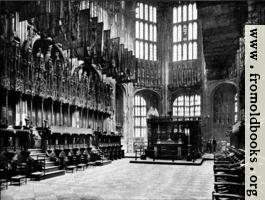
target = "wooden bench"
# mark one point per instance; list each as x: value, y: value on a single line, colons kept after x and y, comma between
x: 71, y: 168
x: 18, y: 179
x: 81, y: 166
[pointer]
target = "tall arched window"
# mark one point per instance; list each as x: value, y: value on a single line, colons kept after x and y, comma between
x: 184, y: 13
x: 188, y: 105
x: 140, y: 128
x: 185, y: 30
x: 190, y: 11
x: 175, y: 13
x: 195, y: 15
x: 145, y: 30
x: 146, y: 12
x: 179, y: 14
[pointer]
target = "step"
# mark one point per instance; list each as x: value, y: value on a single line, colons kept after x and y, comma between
x: 103, y: 162
x: 41, y: 155
x: 51, y: 169
x: 49, y: 163
x: 33, y: 151
x: 41, y: 175
x: 53, y: 174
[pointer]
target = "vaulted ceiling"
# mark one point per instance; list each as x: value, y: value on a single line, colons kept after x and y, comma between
x: 222, y: 25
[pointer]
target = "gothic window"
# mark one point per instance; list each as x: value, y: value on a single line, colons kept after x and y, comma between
x: 187, y: 106
x: 140, y: 128
x: 145, y: 32
x: 185, y: 32
x: 184, y: 13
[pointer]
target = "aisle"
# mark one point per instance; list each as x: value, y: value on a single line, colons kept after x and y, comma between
x: 122, y: 180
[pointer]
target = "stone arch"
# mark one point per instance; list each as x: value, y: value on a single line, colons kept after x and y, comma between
x: 147, y: 90
x: 222, y: 100
x: 152, y: 98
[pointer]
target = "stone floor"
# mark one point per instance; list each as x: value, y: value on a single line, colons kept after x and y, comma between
x: 122, y: 180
